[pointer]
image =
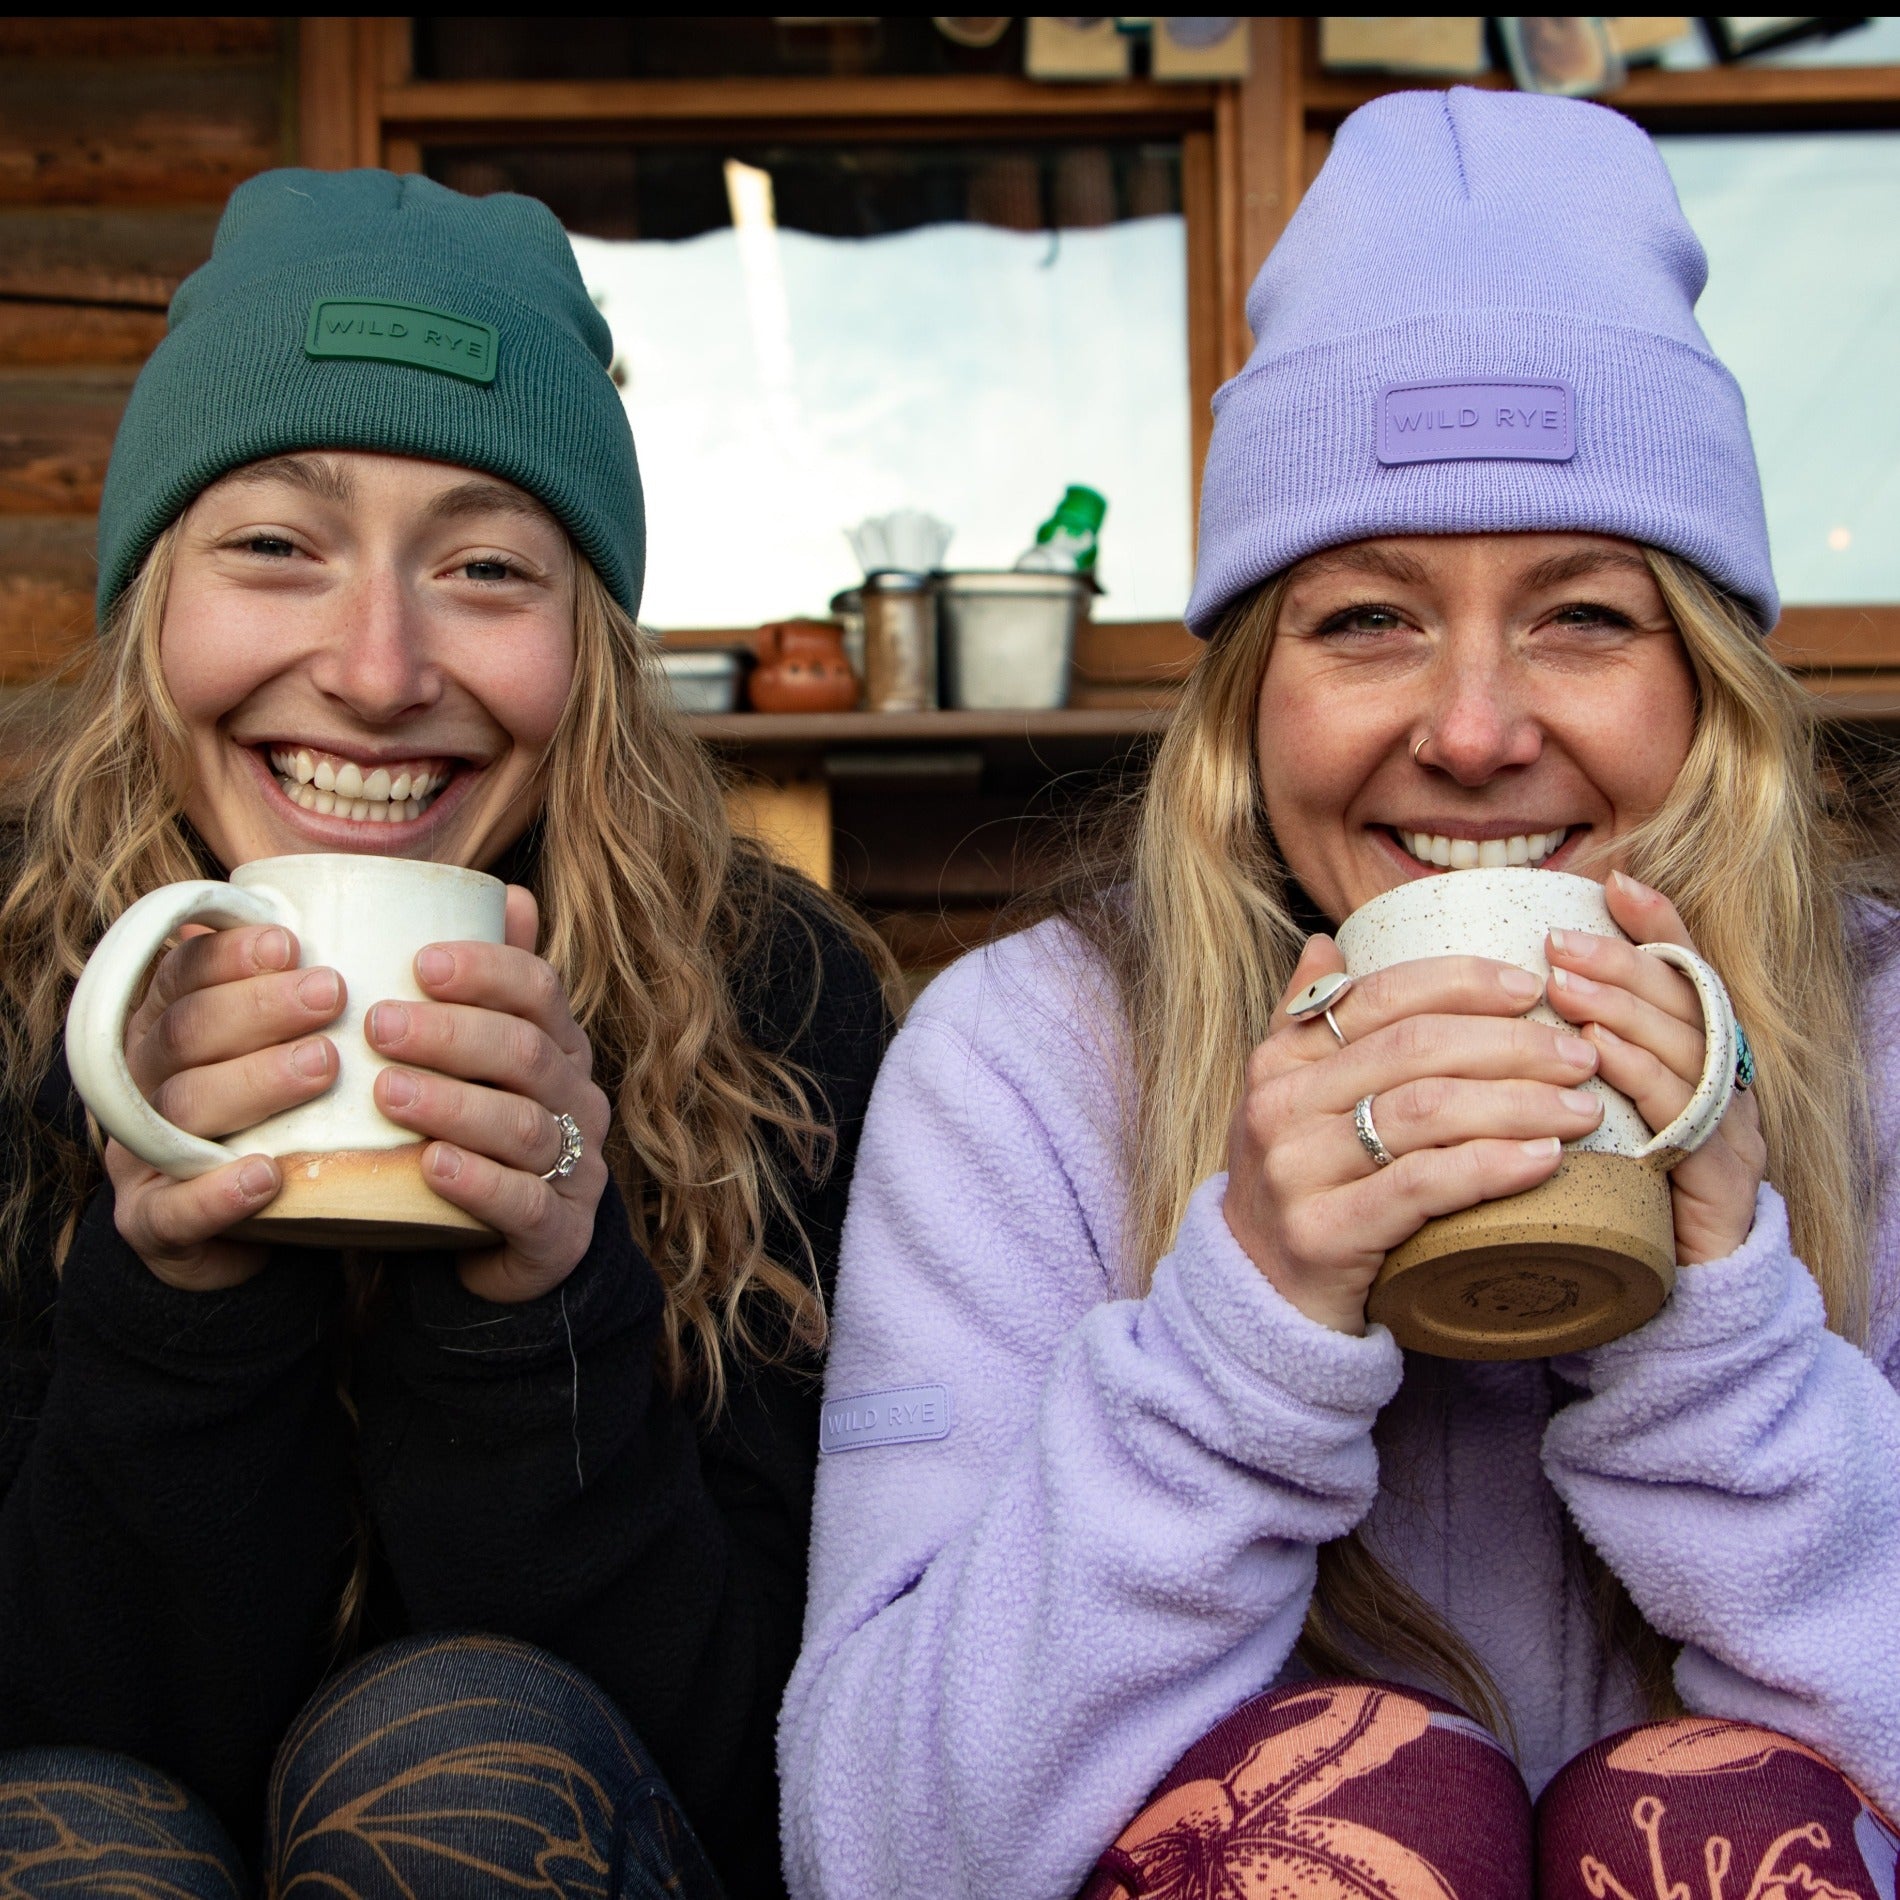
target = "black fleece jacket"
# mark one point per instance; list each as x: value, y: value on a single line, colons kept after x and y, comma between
x: 178, y: 1477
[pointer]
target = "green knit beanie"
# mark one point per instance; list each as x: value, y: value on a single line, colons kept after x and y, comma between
x: 362, y: 310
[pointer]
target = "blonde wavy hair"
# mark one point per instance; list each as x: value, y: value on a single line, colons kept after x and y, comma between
x: 650, y: 908
x: 1747, y: 847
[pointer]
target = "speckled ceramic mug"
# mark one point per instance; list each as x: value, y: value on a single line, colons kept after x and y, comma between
x: 1589, y: 1254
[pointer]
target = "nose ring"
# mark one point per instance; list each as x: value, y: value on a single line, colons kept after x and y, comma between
x: 1420, y: 747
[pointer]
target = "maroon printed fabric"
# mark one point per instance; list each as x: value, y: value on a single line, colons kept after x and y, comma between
x: 1331, y: 1791
x: 1363, y: 1791
x: 1706, y: 1810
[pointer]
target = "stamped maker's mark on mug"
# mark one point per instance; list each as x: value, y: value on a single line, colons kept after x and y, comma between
x: 1510, y: 421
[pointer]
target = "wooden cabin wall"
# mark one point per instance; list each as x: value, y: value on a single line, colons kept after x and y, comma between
x: 120, y: 140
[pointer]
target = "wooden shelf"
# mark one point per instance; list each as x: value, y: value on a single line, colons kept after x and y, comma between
x: 694, y: 109
x: 802, y: 731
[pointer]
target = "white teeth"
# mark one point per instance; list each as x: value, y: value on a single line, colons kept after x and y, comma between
x: 328, y: 786
x: 1467, y: 854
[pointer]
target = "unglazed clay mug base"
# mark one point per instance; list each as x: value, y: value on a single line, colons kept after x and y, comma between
x: 351, y: 1177
x: 1589, y: 1254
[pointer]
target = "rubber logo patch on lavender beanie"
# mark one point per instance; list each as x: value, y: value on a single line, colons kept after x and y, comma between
x: 1476, y: 422
x: 1481, y: 320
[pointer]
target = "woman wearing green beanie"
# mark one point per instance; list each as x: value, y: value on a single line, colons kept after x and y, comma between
x: 370, y: 553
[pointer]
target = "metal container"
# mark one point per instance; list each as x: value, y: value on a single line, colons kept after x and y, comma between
x: 1008, y: 638
x: 847, y: 609
x: 706, y: 681
x: 900, y: 643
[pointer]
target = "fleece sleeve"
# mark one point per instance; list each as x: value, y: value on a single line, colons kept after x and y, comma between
x: 1015, y: 1628
x: 1738, y: 1466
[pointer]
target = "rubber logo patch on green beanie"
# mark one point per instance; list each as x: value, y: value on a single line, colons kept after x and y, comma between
x: 402, y: 333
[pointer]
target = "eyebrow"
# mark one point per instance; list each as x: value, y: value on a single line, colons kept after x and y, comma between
x: 480, y: 497
x: 1387, y: 563
x: 311, y: 473
x: 1573, y: 567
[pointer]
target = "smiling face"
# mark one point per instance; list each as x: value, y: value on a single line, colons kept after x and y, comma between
x: 369, y: 653
x: 1551, y: 690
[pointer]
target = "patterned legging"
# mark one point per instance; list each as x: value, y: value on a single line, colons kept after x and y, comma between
x: 1356, y: 1791
x: 437, y: 1766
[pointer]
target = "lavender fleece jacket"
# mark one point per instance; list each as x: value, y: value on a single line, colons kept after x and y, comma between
x: 1016, y: 1628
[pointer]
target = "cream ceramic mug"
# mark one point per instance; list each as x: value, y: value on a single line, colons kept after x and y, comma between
x: 351, y: 1177
x: 1589, y: 1254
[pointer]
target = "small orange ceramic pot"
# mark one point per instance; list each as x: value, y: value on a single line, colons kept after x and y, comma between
x: 802, y: 668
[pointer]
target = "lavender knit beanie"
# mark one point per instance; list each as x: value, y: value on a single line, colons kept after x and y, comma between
x: 1481, y: 319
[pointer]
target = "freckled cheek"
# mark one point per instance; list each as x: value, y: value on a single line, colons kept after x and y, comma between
x: 525, y: 693
x: 213, y: 658
x: 1313, y: 763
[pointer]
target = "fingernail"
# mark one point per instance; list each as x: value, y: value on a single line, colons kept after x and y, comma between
x: 1543, y: 1147
x: 256, y: 1179
x: 1520, y: 983
x: 273, y: 949
x: 1580, y: 1101
x: 318, y: 989
x: 311, y: 1058
x: 434, y: 965
x: 1560, y: 940
x: 1576, y: 1051
x: 1634, y: 886
x: 447, y: 1162
x: 1572, y: 984
x: 388, y: 1022
x: 399, y: 1088
x: 1604, y: 1033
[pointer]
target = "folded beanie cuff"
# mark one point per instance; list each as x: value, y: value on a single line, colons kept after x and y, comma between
x: 1661, y: 453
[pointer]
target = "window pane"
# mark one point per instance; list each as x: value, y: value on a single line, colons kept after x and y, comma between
x: 1804, y: 279
x: 967, y: 330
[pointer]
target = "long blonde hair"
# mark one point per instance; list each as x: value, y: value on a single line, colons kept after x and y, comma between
x: 1203, y: 948
x: 650, y: 910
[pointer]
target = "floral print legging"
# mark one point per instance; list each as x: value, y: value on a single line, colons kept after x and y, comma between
x: 1361, y: 1791
x: 445, y: 1768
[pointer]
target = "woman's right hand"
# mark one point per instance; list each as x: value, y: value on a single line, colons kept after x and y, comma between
x: 1472, y: 1102
x: 224, y: 1037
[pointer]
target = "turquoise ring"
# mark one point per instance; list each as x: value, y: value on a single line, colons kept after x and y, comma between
x: 1744, y: 1060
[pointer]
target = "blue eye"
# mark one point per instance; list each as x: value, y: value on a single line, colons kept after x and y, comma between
x: 487, y: 571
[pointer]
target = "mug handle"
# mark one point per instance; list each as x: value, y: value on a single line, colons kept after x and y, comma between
x: 102, y: 1003
x: 1703, y: 1111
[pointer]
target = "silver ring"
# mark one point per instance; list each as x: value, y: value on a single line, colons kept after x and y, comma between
x: 1317, y: 1000
x: 1382, y: 1156
x: 572, y: 1148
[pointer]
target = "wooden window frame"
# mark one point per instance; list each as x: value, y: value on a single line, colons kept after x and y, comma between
x: 1249, y: 148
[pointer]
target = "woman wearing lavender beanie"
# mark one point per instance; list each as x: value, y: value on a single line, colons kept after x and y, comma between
x: 1143, y: 1564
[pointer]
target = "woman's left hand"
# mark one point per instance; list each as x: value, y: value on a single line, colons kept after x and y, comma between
x: 498, y: 1056
x: 1646, y: 1021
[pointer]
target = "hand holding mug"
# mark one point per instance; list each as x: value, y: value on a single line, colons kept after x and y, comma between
x: 1645, y: 1019
x: 225, y: 1038
x: 497, y: 1060
x: 1474, y: 1104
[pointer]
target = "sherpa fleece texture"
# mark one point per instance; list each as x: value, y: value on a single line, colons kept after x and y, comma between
x: 1015, y: 1630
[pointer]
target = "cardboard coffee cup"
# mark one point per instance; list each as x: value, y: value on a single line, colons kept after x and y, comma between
x: 351, y: 1177
x: 1589, y: 1254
